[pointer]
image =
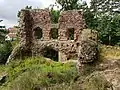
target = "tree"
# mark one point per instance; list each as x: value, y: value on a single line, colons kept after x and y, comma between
x: 5, y: 51
x: 109, y: 30
x: 90, y: 20
x: 55, y: 15
x: 68, y: 4
x: 109, y: 7
x: 103, y: 16
x: 5, y: 47
x: 2, y: 35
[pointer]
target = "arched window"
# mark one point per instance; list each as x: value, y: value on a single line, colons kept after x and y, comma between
x: 38, y: 33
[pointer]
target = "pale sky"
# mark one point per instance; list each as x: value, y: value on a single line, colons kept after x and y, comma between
x: 9, y: 9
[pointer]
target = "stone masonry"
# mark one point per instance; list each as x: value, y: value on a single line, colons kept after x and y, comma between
x: 35, y: 34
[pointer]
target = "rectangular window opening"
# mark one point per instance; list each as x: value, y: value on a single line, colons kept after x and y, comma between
x: 71, y: 34
x: 54, y: 33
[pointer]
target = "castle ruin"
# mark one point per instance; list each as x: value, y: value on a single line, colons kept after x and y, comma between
x: 39, y: 36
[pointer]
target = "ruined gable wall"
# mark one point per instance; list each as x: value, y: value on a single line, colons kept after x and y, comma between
x: 41, y: 18
x: 71, y: 19
x: 31, y: 19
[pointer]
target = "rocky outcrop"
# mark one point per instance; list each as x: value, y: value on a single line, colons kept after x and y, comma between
x: 110, y: 69
x: 96, y: 81
x: 87, y: 51
x: 106, y: 76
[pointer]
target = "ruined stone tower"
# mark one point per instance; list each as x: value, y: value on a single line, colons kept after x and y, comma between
x: 36, y: 33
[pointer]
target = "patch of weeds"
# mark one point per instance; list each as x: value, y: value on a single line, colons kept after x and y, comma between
x: 26, y: 74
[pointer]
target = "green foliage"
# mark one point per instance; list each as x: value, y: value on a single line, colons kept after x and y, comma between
x: 2, y: 35
x: 5, y: 50
x: 109, y: 30
x: 5, y: 47
x: 91, y: 21
x: 104, y: 7
x: 38, y: 72
x: 15, y: 43
x: 55, y: 15
x: 68, y: 4
x: 104, y: 19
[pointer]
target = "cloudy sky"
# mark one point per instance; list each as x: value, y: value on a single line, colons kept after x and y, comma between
x: 9, y: 9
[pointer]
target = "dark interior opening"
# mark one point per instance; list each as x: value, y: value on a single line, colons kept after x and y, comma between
x: 54, y: 33
x: 38, y: 33
x: 71, y: 34
x: 50, y: 53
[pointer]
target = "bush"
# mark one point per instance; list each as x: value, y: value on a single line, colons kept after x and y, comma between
x: 5, y: 51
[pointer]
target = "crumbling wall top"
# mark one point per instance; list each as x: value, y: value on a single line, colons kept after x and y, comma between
x: 35, y: 10
x: 72, y: 18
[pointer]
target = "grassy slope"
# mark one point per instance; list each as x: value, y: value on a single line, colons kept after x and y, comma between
x: 37, y: 72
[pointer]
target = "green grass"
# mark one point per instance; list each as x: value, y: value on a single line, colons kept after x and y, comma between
x: 37, y: 72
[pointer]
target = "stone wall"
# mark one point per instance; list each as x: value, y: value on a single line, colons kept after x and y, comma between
x: 71, y: 19
x: 39, y: 19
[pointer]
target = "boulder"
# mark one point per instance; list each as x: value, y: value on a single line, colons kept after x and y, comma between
x: 87, y: 52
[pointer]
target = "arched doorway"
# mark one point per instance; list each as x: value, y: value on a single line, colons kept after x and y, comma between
x: 38, y: 33
x: 48, y: 52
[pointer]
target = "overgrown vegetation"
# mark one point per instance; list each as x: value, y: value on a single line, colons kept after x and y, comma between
x: 55, y: 15
x: 37, y: 72
x: 5, y: 51
x: 5, y: 47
